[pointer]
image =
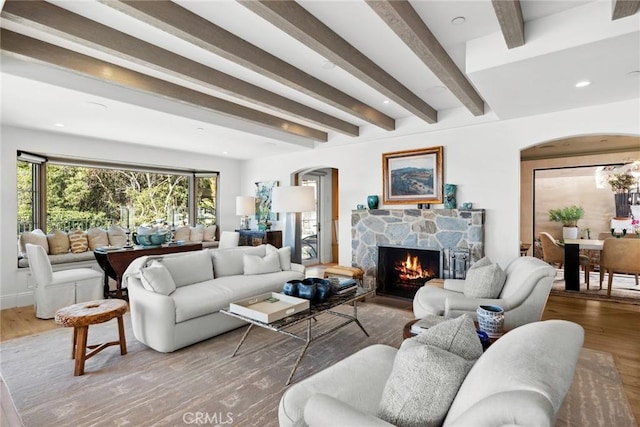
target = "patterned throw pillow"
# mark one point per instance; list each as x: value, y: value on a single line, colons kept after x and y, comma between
x: 78, y: 241
x: 58, y: 242
x: 427, y: 373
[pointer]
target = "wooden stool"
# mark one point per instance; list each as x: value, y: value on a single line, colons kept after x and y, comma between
x: 80, y: 316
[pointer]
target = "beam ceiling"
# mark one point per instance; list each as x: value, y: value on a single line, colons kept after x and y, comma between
x: 624, y: 8
x: 407, y: 24
x: 293, y: 19
x: 509, y: 14
x: 40, y: 51
x: 194, y: 29
x: 60, y: 22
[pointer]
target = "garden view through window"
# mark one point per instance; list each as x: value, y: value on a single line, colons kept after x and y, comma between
x: 81, y: 197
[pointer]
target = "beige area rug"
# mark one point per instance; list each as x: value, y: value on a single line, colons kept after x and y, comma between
x: 623, y: 288
x: 147, y: 388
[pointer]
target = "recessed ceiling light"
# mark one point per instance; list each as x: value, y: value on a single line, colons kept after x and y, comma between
x: 458, y: 20
x: 327, y: 65
x: 199, y: 129
x: 60, y: 125
x: 386, y: 101
x: 225, y: 152
x: 583, y: 83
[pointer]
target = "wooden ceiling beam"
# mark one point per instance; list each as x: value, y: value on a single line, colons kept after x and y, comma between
x: 293, y: 19
x: 182, y: 23
x: 509, y: 14
x: 402, y: 18
x: 61, y: 22
x: 624, y: 8
x: 27, y: 47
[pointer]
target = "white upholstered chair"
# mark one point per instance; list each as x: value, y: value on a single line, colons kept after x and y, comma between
x: 229, y: 239
x: 58, y: 289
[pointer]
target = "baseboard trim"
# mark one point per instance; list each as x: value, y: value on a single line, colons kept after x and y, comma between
x: 21, y: 299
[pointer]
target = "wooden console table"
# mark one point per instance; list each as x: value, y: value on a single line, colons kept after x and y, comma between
x: 115, y: 262
x: 257, y: 237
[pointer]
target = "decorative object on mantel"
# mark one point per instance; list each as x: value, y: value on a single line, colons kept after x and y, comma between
x: 450, y: 196
x: 372, y: 201
x: 569, y: 217
x: 412, y: 176
x: 360, y: 207
x: 467, y: 205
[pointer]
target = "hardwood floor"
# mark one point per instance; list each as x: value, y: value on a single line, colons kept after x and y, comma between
x: 609, y: 326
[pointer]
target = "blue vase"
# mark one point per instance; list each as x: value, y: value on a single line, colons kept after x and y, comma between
x: 372, y: 202
x: 307, y: 289
x: 291, y: 288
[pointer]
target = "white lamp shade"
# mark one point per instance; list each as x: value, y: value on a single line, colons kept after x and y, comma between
x: 245, y: 205
x: 293, y: 199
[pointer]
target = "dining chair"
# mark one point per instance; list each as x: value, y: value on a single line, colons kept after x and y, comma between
x: 620, y: 256
x: 229, y: 239
x: 57, y: 289
x: 553, y: 253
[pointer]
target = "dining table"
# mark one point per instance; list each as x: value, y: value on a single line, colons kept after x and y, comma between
x: 572, y: 260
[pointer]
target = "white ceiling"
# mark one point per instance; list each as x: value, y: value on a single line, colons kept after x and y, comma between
x: 565, y: 41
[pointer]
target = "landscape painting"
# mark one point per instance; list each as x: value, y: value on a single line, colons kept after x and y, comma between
x: 413, y: 176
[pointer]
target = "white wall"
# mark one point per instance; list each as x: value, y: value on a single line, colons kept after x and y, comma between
x: 484, y: 160
x: 14, y: 139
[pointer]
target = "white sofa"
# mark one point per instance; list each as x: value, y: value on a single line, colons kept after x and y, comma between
x: 521, y: 380
x: 205, y: 282
x: 523, y: 295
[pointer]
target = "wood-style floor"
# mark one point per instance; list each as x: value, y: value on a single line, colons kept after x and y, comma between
x: 609, y: 326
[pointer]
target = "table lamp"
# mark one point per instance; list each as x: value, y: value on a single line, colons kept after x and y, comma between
x: 245, y: 206
x: 294, y: 199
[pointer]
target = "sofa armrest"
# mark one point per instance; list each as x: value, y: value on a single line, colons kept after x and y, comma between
x: 455, y: 285
x: 298, y: 267
x: 325, y: 411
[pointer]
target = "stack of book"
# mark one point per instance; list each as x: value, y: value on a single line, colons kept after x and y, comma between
x: 342, y: 286
x: 426, y: 322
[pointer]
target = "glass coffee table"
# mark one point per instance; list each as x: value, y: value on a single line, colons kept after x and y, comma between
x: 283, y: 325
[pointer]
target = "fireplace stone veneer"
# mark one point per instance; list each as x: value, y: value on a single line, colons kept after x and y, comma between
x: 423, y: 228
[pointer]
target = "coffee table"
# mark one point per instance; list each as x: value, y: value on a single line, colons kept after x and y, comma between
x: 308, y: 316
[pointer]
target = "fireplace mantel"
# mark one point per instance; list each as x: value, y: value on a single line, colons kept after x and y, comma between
x: 423, y: 228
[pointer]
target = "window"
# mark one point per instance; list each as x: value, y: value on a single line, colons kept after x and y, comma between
x: 85, y: 195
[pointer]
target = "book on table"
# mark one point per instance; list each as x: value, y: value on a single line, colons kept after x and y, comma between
x: 426, y: 322
x: 339, y: 284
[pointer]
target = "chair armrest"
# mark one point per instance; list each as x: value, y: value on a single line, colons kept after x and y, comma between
x: 325, y: 411
x: 456, y: 285
x: 456, y: 305
x: 298, y: 267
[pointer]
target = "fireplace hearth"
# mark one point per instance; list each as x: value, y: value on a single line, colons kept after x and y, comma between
x: 403, y: 270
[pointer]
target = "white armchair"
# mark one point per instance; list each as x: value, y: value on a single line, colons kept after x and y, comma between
x: 229, y: 239
x: 523, y: 296
x: 58, y: 289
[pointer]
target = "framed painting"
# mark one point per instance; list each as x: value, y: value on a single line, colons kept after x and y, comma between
x: 412, y: 176
x: 263, y: 202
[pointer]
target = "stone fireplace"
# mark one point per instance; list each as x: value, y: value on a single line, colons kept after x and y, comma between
x: 445, y: 230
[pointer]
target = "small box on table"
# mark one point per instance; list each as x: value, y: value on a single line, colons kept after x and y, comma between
x: 269, y: 307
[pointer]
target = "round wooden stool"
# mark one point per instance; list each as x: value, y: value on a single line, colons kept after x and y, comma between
x: 80, y: 316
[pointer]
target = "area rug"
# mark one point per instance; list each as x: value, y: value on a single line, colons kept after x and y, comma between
x: 623, y: 288
x: 147, y: 388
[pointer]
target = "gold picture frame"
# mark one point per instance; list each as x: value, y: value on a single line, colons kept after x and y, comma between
x: 412, y: 176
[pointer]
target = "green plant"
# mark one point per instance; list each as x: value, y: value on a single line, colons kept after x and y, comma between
x: 568, y: 216
x: 621, y: 182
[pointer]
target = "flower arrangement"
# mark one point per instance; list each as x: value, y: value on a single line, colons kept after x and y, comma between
x: 568, y: 216
x: 621, y: 182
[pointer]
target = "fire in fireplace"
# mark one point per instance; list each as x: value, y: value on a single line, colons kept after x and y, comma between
x: 403, y: 270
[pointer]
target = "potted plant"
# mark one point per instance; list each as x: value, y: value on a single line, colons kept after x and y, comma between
x: 569, y: 217
x: 621, y: 184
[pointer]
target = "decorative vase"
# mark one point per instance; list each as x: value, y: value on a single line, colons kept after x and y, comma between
x: 450, y: 196
x: 291, y: 288
x: 372, y: 201
x: 569, y: 233
x: 491, y: 320
x: 307, y: 289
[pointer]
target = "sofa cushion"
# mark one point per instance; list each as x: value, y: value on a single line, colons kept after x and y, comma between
x: 254, y: 264
x: 189, y: 267
x: 156, y: 278
x: 484, y: 281
x: 230, y: 261
x: 183, y: 233
x: 97, y: 238
x: 196, y: 234
x: 199, y: 299
x: 78, y: 241
x: 58, y: 242
x: 209, y: 233
x: 283, y: 253
x: 35, y: 237
x: 117, y: 236
x: 427, y: 373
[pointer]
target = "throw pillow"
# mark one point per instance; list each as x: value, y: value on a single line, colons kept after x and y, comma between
x: 189, y: 267
x: 35, y: 237
x: 156, y: 278
x: 283, y: 253
x: 482, y: 262
x: 117, y: 236
x: 427, y: 373
x: 97, y: 238
x: 484, y: 282
x: 58, y: 242
x: 78, y: 241
x: 254, y: 264
x: 230, y: 262
x: 196, y: 234
x: 209, y: 233
x: 183, y: 233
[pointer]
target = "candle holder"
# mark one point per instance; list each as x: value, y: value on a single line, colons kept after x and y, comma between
x: 129, y: 243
